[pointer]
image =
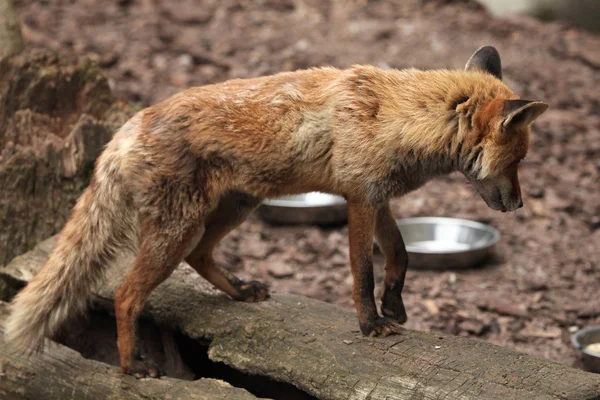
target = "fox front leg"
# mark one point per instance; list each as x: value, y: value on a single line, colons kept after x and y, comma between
x: 390, y: 242
x: 361, y: 225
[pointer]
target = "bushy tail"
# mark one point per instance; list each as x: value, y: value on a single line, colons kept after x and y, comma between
x: 101, y: 226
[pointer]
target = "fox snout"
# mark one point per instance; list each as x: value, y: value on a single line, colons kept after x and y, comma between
x: 501, y: 194
x: 512, y: 203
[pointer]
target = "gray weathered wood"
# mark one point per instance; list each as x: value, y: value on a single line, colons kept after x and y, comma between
x: 61, y: 373
x: 317, y: 347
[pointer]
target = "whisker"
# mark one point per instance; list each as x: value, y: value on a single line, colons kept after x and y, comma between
x: 515, y: 216
x: 527, y: 206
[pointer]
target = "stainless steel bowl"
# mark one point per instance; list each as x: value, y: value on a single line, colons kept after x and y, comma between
x: 446, y: 243
x: 314, y: 208
x: 583, y: 338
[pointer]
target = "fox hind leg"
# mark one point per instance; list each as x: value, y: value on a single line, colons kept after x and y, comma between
x: 162, y: 249
x: 234, y: 207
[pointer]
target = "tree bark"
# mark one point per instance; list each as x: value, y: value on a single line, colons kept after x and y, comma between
x: 317, y: 346
x: 55, y: 119
x: 11, y: 41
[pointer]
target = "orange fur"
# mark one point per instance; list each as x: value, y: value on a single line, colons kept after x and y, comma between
x: 181, y: 174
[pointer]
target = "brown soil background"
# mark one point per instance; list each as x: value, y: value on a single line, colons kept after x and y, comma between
x: 545, y: 279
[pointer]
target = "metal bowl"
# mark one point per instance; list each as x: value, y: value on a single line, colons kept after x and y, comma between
x: 582, y: 338
x: 314, y: 208
x: 446, y: 243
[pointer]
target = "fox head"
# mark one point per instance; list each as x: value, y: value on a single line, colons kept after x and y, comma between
x: 498, y: 137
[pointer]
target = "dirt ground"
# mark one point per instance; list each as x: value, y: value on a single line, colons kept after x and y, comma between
x: 544, y: 282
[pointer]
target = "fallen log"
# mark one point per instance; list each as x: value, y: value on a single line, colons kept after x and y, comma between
x: 61, y: 373
x: 317, y: 347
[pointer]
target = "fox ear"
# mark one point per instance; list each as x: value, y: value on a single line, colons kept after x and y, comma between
x: 487, y: 59
x: 520, y: 113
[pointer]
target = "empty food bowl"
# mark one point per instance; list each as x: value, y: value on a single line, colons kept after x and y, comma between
x: 446, y: 243
x: 314, y: 208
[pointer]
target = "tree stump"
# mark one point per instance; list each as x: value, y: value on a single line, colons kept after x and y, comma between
x: 55, y: 119
x: 11, y: 41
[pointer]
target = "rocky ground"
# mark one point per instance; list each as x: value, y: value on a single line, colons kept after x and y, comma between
x: 544, y: 282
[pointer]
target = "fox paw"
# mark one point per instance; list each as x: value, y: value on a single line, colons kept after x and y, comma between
x: 252, y: 292
x: 143, y: 369
x: 381, y: 327
x: 392, y: 306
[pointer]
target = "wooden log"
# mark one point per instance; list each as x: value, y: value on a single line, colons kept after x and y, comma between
x: 62, y: 373
x: 317, y: 346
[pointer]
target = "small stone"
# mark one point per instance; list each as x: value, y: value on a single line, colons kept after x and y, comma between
x: 437, y: 347
x: 452, y: 278
x: 348, y: 341
x: 160, y: 62
x: 431, y: 306
x: 279, y: 269
x: 573, y: 328
x: 185, y: 60
x: 302, y: 45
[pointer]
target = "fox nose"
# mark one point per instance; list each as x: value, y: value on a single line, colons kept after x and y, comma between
x: 520, y: 204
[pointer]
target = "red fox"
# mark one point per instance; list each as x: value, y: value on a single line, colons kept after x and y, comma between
x: 179, y: 175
